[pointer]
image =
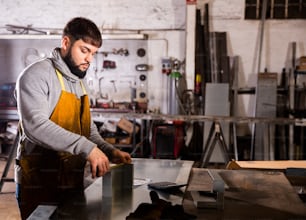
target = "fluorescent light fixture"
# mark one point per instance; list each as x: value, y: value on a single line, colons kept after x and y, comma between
x: 124, y: 36
x: 117, y: 36
x: 29, y: 36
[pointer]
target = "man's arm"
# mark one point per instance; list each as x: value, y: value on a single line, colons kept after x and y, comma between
x: 37, y: 91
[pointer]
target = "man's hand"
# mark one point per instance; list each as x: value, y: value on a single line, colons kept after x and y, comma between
x: 99, y: 163
x: 119, y: 156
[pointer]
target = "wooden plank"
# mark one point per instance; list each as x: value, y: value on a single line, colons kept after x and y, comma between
x: 8, y: 203
x: 268, y: 165
x: 8, y: 207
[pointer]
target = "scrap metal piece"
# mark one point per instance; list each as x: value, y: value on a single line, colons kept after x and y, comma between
x: 213, y: 198
x: 43, y: 212
x: 118, y: 181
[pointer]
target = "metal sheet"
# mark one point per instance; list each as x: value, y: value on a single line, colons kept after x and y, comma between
x: 266, y: 102
x: 217, y: 104
x: 119, y: 206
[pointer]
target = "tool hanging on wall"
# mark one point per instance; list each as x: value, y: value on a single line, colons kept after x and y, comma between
x: 121, y: 51
x: 142, y: 67
x: 114, y: 84
x: 109, y: 64
x: 141, y: 52
x: 166, y: 65
x: 17, y: 29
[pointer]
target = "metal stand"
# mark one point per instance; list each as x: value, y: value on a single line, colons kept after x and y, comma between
x: 10, y: 158
x: 215, y: 134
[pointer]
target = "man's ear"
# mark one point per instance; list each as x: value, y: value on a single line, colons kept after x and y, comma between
x: 65, y: 43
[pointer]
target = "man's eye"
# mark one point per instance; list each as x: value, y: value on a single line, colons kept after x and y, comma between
x: 84, y: 50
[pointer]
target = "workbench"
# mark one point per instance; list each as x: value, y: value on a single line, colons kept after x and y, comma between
x: 120, y: 205
x: 153, y: 170
x: 249, y: 194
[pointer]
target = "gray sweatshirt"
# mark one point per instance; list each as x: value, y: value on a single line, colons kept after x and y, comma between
x: 37, y: 92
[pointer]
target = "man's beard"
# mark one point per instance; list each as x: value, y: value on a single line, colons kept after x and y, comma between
x: 73, y: 67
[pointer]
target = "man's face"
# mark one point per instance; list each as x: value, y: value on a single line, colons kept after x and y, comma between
x: 78, y: 55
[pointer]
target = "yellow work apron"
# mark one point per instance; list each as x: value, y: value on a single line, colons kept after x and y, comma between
x: 47, y: 174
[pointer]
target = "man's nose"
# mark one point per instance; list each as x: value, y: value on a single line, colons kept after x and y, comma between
x: 89, y: 58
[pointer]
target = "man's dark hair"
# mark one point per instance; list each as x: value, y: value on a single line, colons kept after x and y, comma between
x: 83, y: 28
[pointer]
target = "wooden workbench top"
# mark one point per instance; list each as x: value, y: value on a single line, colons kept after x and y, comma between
x: 250, y: 194
x: 267, y: 165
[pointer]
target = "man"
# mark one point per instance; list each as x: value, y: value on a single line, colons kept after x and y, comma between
x: 57, y: 134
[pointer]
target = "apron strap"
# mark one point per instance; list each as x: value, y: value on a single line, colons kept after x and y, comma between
x: 83, y: 88
x: 60, y: 77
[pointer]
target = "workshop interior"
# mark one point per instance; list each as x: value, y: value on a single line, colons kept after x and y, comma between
x: 208, y: 97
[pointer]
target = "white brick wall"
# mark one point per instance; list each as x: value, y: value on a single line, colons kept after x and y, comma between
x: 166, y: 15
x: 225, y: 15
x: 119, y: 14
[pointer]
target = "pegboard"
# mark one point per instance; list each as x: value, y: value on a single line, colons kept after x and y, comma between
x: 119, y: 83
x: 119, y: 71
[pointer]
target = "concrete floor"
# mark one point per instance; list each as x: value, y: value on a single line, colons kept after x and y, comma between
x: 8, y: 205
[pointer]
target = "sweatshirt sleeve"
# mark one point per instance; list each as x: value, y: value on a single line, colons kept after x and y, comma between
x: 33, y: 90
x: 95, y: 137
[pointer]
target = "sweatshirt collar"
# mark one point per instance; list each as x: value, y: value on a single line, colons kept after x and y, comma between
x: 61, y: 65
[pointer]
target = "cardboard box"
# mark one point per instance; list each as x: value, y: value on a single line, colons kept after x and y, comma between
x: 127, y: 126
x: 111, y: 140
x: 302, y: 65
x: 125, y: 140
